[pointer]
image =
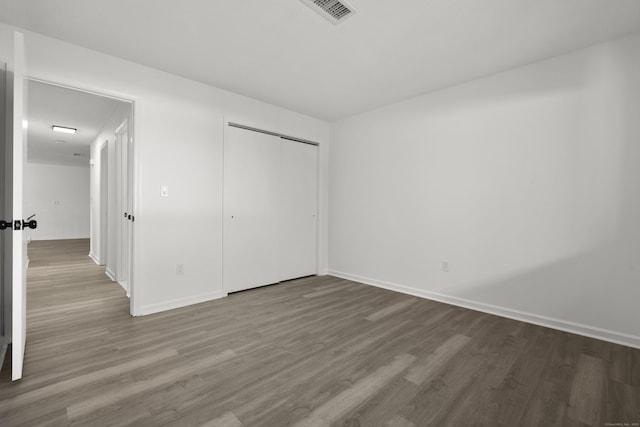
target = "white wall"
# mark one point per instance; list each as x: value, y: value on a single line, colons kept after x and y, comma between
x: 178, y: 142
x: 527, y: 183
x: 59, y: 196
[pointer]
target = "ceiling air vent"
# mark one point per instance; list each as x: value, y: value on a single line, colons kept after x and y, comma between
x: 334, y: 11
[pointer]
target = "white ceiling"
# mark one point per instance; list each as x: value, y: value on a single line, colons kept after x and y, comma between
x: 53, y: 105
x: 281, y: 52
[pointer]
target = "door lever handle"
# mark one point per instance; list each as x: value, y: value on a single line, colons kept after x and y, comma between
x: 30, y: 223
x: 19, y: 225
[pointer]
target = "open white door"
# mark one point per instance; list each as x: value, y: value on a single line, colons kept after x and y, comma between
x: 124, y: 148
x: 19, y: 238
x: 130, y: 215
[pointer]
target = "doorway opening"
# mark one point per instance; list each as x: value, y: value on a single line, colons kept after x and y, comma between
x: 78, y: 183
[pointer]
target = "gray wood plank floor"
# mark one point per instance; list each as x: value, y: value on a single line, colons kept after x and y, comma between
x: 318, y: 351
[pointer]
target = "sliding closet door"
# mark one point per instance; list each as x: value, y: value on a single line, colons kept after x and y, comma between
x: 298, y: 209
x: 251, y: 183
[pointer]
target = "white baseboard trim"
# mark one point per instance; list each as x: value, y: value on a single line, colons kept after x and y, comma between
x: 94, y: 258
x: 549, y: 322
x: 125, y: 287
x: 110, y: 275
x: 69, y: 237
x: 182, y: 302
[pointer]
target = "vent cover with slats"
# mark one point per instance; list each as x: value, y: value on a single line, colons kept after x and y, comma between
x: 335, y: 11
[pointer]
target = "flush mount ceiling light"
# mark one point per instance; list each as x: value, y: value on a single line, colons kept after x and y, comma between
x: 63, y: 129
x: 59, y: 141
x: 334, y: 11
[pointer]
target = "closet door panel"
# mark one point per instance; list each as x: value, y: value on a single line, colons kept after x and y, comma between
x: 250, y: 236
x: 298, y: 210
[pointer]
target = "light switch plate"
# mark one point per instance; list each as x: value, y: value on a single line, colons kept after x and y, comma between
x: 164, y: 191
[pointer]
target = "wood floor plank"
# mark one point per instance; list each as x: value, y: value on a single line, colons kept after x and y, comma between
x: 104, y: 399
x: 387, y: 311
x: 474, y: 402
x: 623, y: 404
x: 520, y: 383
x: 81, y: 380
x: 385, y: 405
x: 338, y: 406
x: 435, y: 399
x: 320, y: 350
x: 421, y: 372
x: 398, y: 421
x: 588, y: 392
x: 549, y: 402
x: 624, y: 365
x: 227, y: 420
x: 322, y: 292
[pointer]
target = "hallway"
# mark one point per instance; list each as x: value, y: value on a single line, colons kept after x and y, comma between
x: 71, y: 305
x: 63, y: 279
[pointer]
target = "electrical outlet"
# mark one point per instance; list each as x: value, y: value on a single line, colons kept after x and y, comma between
x: 445, y: 266
x: 179, y: 269
x: 56, y: 203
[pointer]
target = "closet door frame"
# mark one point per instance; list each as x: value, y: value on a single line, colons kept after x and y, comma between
x: 252, y: 245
